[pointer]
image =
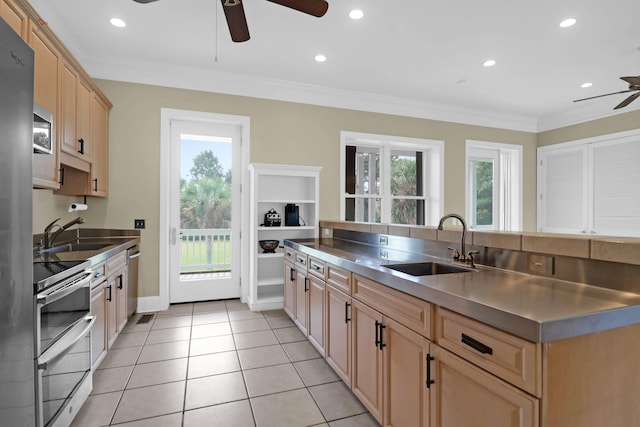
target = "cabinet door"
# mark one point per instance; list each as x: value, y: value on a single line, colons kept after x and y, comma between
x: 406, y: 397
x: 67, y: 131
x: 465, y: 395
x: 112, y: 312
x: 366, y: 381
x: 99, y: 148
x: 98, y: 332
x: 290, y: 290
x: 315, y: 326
x: 14, y: 16
x: 121, y: 300
x: 83, y: 119
x: 338, y: 333
x: 302, y: 301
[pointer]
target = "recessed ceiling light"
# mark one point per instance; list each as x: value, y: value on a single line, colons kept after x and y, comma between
x: 568, y: 22
x: 356, y: 14
x: 489, y: 63
x: 117, y: 22
x: 587, y: 84
x: 320, y: 58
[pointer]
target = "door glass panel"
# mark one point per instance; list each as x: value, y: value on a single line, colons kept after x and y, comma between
x: 482, y: 192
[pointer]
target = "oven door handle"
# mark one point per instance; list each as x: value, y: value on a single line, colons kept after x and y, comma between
x: 75, y: 334
x: 47, y: 298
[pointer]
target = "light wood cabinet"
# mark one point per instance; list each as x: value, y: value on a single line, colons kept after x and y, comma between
x: 302, y: 302
x: 99, y: 184
x: 121, y: 299
x: 45, y: 92
x: 98, y: 332
x: 290, y: 289
x: 112, y: 313
x: 316, y: 290
x: 116, y: 296
x: 15, y: 17
x: 464, y: 395
x: 338, y: 332
x: 75, y: 115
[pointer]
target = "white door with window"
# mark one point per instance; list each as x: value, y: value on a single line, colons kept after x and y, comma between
x: 203, y: 208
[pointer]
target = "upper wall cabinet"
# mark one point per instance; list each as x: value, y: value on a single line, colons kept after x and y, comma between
x: 75, y: 137
x: 15, y: 17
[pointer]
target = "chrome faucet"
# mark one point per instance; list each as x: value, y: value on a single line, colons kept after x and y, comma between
x: 48, y: 237
x: 461, y: 255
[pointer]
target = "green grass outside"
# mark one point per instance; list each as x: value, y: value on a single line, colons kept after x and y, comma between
x: 198, y: 255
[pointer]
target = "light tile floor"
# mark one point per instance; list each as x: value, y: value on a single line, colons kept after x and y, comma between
x: 218, y: 364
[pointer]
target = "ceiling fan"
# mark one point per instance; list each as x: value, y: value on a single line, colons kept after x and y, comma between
x: 237, y: 22
x: 634, y: 86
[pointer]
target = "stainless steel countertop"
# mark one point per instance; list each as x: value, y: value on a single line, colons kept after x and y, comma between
x: 535, y: 308
x: 115, y: 244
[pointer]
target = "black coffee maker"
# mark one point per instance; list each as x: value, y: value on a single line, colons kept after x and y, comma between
x: 291, y: 215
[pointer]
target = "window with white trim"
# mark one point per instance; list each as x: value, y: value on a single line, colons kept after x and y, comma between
x: 493, y: 186
x: 387, y: 179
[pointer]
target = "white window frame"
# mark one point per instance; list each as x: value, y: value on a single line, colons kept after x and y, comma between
x: 433, y: 173
x: 507, y: 188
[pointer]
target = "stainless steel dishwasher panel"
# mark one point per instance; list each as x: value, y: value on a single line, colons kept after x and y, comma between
x: 133, y: 253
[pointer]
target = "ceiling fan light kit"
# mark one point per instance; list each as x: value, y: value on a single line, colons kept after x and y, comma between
x: 634, y: 86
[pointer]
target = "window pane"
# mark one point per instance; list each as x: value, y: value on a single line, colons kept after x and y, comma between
x: 367, y: 172
x: 406, y: 173
x: 407, y: 211
x: 363, y: 209
x: 482, y: 191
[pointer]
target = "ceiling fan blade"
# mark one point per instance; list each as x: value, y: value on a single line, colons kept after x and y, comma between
x: 315, y: 8
x: 606, y: 94
x: 144, y: 1
x: 632, y: 80
x: 627, y: 101
x: 236, y: 20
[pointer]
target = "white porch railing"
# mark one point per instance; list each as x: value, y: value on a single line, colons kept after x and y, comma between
x: 205, y: 250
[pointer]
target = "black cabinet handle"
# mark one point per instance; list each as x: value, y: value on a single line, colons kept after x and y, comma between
x: 81, y: 150
x: 381, y: 343
x: 476, y: 345
x: 377, y: 332
x: 95, y: 184
x: 120, y: 285
x: 429, y: 380
x: 109, y: 297
x: 346, y: 312
x: 61, y: 182
x: 292, y: 276
x: 306, y: 288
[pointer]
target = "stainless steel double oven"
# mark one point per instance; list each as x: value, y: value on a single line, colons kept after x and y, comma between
x: 63, y: 339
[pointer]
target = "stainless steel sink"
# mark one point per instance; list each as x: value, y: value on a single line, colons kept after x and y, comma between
x: 76, y: 247
x: 427, y: 268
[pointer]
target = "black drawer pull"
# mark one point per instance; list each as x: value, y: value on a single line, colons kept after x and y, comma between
x: 476, y: 345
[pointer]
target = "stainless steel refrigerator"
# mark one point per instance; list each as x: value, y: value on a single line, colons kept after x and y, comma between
x: 17, y: 366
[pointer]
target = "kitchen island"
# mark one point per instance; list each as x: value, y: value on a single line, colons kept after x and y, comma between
x: 484, y: 347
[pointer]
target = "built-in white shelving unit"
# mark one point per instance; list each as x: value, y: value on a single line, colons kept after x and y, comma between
x: 273, y: 187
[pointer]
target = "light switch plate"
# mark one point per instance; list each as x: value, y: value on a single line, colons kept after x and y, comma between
x: 139, y: 223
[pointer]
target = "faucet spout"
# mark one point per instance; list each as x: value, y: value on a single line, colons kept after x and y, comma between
x: 462, y: 253
x: 48, y: 237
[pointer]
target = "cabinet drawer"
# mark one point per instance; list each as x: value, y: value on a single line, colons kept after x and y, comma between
x: 99, y: 274
x: 116, y: 262
x: 301, y: 260
x: 316, y: 267
x: 339, y: 278
x: 412, y: 312
x: 513, y: 359
x: 289, y: 254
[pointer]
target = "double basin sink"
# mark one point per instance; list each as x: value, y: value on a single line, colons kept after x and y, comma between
x: 427, y: 268
x: 77, y: 247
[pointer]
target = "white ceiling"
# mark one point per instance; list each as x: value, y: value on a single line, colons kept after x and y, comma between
x: 418, y: 58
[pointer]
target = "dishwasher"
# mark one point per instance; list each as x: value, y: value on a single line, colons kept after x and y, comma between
x: 133, y: 253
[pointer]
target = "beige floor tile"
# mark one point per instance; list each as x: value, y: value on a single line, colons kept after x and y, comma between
x: 272, y: 379
x: 301, y: 350
x: 168, y: 335
x: 120, y: 357
x: 215, y: 389
x: 110, y: 380
x: 166, y: 371
x: 236, y: 305
x: 274, y: 313
x: 241, y: 326
x: 315, y: 372
x: 171, y: 322
x: 146, y: 402
x: 211, y: 330
x: 294, y: 408
x: 233, y: 414
x: 262, y: 356
x: 255, y: 339
x: 210, y: 345
x: 209, y: 307
x: 132, y: 325
x: 133, y: 339
x: 164, y: 351
x: 363, y: 420
x: 97, y: 410
x: 213, y: 364
x: 336, y: 401
x: 171, y: 420
x: 177, y: 310
x: 280, y: 322
x: 205, y: 318
x: 245, y: 315
x: 292, y: 334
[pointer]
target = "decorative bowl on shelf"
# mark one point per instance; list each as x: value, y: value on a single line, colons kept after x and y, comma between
x: 268, y: 246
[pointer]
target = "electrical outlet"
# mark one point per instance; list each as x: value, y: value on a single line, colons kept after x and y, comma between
x: 384, y: 240
x: 138, y: 223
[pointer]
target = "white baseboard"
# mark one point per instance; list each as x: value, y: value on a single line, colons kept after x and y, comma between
x: 150, y: 304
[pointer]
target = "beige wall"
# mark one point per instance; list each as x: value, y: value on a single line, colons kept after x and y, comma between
x: 605, y: 126
x: 281, y: 132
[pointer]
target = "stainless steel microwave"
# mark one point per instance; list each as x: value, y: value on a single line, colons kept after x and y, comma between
x: 42, y: 130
